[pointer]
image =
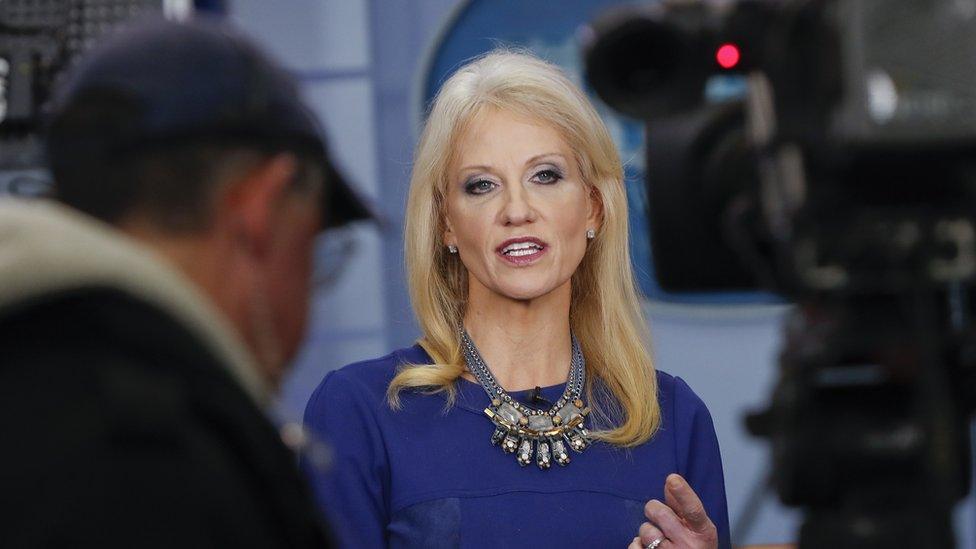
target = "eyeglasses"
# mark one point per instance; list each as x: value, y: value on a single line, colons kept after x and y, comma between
x: 333, y: 250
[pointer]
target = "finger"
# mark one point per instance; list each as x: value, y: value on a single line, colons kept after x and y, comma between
x: 666, y: 520
x: 635, y: 544
x: 686, y: 503
x: 649, y: 533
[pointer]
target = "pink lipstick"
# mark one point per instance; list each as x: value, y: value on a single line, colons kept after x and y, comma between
x: 522, y: 251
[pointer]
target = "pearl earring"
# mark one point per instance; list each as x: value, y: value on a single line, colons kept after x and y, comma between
x: 452, y: 248
x: 590, y: 234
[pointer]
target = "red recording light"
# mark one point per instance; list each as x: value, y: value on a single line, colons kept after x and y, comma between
x: 728, y: 56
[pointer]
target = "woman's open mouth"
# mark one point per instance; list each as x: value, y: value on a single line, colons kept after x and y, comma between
x: 522, y: 251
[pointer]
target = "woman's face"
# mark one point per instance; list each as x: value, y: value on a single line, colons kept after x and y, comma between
x: 517, y: 207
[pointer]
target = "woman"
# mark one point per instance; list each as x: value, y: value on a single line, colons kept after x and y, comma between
x: 533, y: 340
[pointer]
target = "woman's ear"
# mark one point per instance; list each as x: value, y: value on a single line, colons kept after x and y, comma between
x: 448, y: 237
x: 594, y: 218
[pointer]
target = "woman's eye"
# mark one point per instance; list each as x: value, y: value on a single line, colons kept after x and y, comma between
x: 547, y: 177
x: 481, y: 186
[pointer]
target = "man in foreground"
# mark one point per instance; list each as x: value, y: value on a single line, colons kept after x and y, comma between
x: 145, y: 328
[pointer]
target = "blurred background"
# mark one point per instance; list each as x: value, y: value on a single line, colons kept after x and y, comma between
x: 369, y: 67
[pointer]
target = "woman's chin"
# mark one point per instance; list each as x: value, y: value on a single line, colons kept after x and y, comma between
x: 524, y: 292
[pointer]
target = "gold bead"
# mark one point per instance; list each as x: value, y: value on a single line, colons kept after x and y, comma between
x: 578, y: 403
x: 523, y: 421
x: 556, y: 420
x: 496, y: 402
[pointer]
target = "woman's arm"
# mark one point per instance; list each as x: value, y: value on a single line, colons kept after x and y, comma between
x: 694, y: 513
x: 351, y: 489
x: 699, y: 459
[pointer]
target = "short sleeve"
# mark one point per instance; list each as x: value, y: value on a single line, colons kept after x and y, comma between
x: 699, y: 459
x: 351, y: 487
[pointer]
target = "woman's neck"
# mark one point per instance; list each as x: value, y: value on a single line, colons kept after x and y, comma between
x: 526, y: 343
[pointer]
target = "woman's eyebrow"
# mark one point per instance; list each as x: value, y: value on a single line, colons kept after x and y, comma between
x: 479, y: 167
x: 538, y: 157
x: 486, y: 168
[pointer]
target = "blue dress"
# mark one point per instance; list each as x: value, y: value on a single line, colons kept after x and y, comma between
x: 427, y: 475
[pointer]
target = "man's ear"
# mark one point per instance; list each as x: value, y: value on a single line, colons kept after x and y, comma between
x: 250, y: 203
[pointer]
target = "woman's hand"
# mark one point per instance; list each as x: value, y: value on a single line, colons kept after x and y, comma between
x: 680, y: 522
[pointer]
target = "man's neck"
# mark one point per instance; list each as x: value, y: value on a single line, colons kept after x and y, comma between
x: 204, y: 261
x: 188, y: 254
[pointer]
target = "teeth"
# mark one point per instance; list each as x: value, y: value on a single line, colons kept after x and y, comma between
x: 521, y: 248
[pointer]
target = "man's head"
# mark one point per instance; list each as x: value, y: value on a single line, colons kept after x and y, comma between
x: 185, y: 136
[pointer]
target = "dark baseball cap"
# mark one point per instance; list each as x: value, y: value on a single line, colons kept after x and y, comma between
x: 196, y: 80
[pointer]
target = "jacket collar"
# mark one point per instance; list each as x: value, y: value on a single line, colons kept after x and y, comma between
x: 46, y: 248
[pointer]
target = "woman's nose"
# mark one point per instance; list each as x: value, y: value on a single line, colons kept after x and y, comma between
x: 518, y: 209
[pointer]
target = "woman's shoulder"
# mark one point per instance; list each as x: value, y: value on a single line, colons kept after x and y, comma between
x: 367, y: 379
x: 677, y: 398
x: 381, y: 370
x: 377, y: 372
x: 675, y: 389
x: 686, y: 417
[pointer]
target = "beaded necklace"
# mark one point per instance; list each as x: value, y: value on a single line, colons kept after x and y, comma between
x: 525, y: 431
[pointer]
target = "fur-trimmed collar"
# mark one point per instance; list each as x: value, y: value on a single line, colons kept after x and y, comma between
x: 47, y: 248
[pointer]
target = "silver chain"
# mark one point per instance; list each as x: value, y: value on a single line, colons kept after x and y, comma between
x: 478, y: 368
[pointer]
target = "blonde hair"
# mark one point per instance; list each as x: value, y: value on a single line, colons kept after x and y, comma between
x: 605, y: 310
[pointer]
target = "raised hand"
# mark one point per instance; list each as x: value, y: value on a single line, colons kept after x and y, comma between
x: 680, y: 522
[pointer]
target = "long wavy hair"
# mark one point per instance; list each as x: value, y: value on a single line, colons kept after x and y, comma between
x: 605, y: 310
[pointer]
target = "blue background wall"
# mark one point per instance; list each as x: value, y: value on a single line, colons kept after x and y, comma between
x: 361, y: 65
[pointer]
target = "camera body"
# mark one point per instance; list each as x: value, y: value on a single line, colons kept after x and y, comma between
x: 843, y: 178
x: 850, y: 106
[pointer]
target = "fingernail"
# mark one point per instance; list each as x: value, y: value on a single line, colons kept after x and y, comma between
x: 674, y: 481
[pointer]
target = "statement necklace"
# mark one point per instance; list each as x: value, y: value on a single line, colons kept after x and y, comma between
x: 525, y: 431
